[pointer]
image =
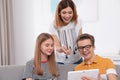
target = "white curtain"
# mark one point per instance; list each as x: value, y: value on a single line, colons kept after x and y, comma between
x: 6, y: 37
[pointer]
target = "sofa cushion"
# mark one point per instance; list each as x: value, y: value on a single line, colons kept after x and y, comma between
x: 11, y: 72
x: 63, y: 71
x: 15, y: 72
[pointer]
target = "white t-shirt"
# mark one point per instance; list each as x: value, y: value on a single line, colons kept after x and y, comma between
x: 67, y: 35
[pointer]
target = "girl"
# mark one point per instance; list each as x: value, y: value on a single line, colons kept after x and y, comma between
x: 43, y: 65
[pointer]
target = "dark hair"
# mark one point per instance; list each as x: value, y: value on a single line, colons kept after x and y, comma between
x: 86, y: 36
x: 62, y: 5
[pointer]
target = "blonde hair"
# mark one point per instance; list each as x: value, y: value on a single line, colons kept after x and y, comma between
x: 37, y: 56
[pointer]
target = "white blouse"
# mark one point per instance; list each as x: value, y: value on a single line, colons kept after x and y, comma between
x: 67, y: 35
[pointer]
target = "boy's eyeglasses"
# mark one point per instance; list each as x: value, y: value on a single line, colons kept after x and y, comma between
x: 87, y: 47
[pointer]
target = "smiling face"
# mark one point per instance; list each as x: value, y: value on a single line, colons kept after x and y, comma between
x: 47, y: 47
x: 86, y: 49
x: 66, y: 14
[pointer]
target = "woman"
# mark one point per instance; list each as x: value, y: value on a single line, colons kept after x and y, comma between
x: 43, y: 65
x: 65, y: 30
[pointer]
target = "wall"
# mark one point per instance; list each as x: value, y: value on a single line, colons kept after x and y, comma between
x: 32, y: 17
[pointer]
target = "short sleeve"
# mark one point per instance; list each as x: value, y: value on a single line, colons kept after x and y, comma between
x: 110, y: 63
x: 52, y: 29
x: 110, y: 67
x: 28, y: 71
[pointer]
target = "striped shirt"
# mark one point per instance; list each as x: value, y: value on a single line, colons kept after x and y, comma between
x: 67, y: 36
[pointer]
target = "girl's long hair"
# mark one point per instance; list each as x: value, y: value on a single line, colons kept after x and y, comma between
x: 37, y: 56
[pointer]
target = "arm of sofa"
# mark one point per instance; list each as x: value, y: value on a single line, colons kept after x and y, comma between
x: 11, y: 72
x: 118, y: 71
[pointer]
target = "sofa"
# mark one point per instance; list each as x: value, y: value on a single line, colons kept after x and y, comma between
x: 14, y: 72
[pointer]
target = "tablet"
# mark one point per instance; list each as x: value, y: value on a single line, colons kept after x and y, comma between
x: 77, y: 75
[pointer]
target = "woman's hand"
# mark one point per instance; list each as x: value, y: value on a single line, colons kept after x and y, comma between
x: 66, y: 50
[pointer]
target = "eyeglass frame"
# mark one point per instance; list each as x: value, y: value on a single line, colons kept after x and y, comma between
x: 86, y: 47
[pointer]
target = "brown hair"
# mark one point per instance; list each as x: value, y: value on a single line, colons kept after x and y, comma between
x: 86, y: 36
x: 64, y: 4
x: 37, y: 56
